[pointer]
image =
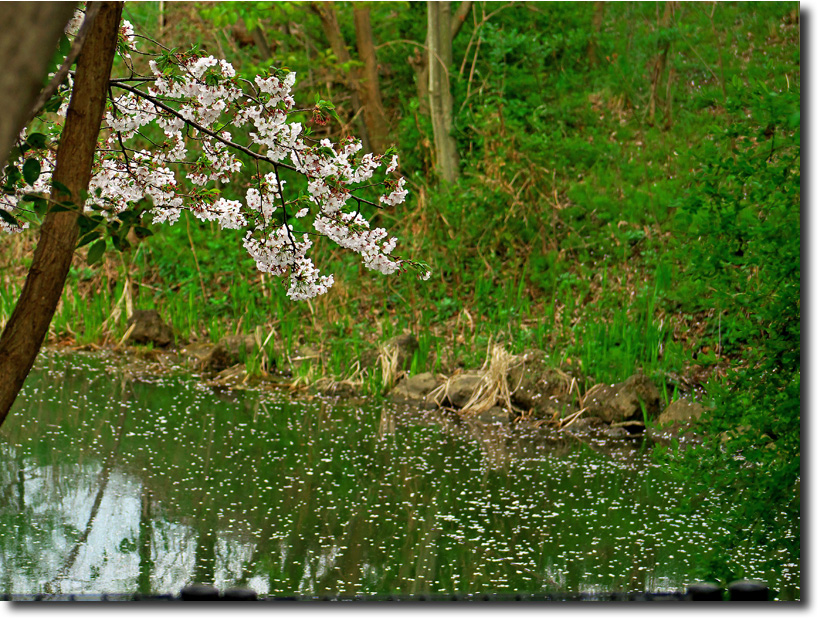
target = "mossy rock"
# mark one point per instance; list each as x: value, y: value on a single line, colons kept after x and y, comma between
x: 624, y: 401
x: 229, y: 351
x: 415, y: 388
x: 532, y: 381
x: 147, y: 327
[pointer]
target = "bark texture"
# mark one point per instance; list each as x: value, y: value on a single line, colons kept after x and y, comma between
x: 420, y: 60
x: 659, y: 64
x: 28, y: 38
x: 329, y: 23
x: 369, y: 90
x: 439, y: 35
x: 597, y: 25
x: 26, y: 329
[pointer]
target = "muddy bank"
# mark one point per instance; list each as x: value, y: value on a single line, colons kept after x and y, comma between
x: 524, y: 391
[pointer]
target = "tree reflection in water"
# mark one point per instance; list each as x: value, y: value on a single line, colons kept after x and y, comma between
x: 115, y: 484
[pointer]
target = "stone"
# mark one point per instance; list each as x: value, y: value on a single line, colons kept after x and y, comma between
x: 680, y: 412
x: 584, y: 424
x: 624, y: 401
x: 675, y: 422
x: 149, y: 328
x: 618, y: 433
x: 238, y: 594
x: 407, y: 345
x: 560, y: 406
x: 459, y: 388
x: 415, y: 388
x: 198, y: 592
x: 229, y: 351
x: 531, y: 380
x: 496, y: 414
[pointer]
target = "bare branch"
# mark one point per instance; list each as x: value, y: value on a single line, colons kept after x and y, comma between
x: 460, y: 17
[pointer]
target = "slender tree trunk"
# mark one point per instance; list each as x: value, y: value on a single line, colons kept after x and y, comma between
x: 459, y: 18
x: 261, y: 43
x: 28, y: 38
x: 369, y: 90
x: 597, y: 25
x: 439, y: 29
x: 26, y: 329
x: 420, y: 60
x: 660, y: 61
x: 329, y: 23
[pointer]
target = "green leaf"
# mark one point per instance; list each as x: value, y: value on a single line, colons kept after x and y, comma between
x: 53, y: 104
x: 58, y: 186
x: 85, y: 240
x: 36, y: 140
x: 127, y: 216
x: 31, y: 171
x: 12, y: 175
x: 87, y: 224
x: 142, y: 232
x: 9, y: 218
x: 120, y: 242
x: 96, y: 252
x: 39, y: 203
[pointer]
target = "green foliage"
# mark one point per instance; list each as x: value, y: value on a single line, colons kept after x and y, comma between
x: 741, y: 232
x: 578, y: 226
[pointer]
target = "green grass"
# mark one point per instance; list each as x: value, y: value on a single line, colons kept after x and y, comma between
x: 559, y: 235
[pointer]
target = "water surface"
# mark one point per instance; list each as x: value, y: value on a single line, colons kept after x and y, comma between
x: 118, y: 481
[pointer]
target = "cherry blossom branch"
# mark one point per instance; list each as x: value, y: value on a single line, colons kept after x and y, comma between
x: 198, y: 99
x: 158, y: 103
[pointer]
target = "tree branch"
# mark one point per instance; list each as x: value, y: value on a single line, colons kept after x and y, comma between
x: 459, y: 18
x: 216, y: 136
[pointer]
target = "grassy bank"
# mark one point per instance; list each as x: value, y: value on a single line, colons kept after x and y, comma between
x: 562, y: 234
x: 628, y: 200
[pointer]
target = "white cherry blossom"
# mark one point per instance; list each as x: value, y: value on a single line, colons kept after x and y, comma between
x: 197, y: 102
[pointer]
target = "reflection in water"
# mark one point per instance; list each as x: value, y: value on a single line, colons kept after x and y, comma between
x: 112, y: 483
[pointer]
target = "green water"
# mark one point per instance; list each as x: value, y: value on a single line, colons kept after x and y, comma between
x: 115, y: 481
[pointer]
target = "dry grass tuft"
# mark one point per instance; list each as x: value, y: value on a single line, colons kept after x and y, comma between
x: 493, y: 387
x: 388, y: 362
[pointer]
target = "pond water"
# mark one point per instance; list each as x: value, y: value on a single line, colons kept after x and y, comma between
x: 115, y: 481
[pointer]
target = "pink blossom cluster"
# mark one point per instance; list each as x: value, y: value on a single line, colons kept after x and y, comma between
x: 192, y: 101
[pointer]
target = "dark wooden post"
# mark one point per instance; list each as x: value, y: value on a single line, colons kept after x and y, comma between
x: 748, y: 591
x: 199, y: 593
x: 704, y: 592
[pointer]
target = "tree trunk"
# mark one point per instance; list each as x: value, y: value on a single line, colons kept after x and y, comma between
x: 26, y: 329
x: 660, y: 61
x: 261, y: 43
x: 369, y: 90
x: 28, y: 39
x: 459, y: 18
x: 597, y: 25
x: 439, y: 34
x: 420, y: 60
x: 329, y: 23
